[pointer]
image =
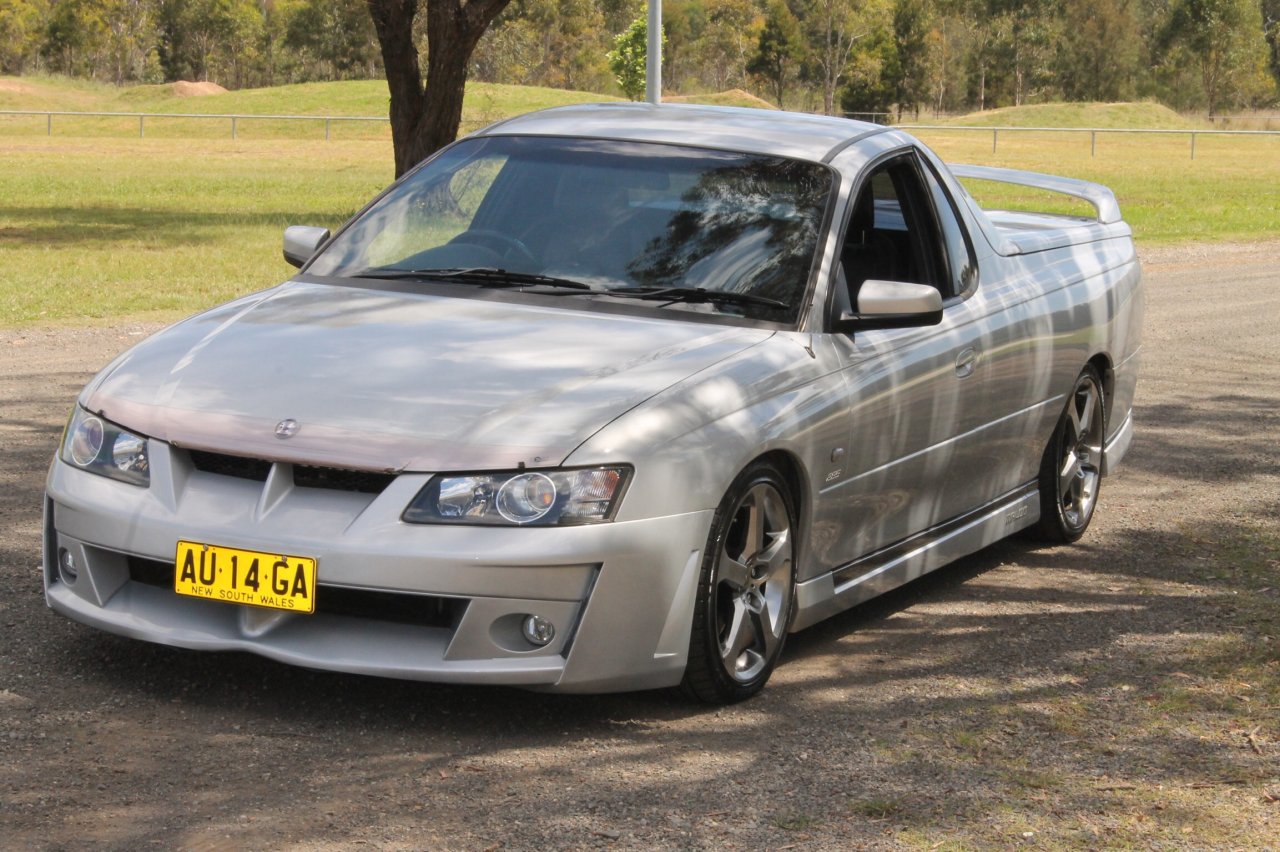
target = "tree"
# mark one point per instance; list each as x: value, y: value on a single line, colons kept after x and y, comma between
x: 335, y: 37
x: 130, y: 38
x: 732, y: 28
x: 1223, y: 38
x: 21, y: 23
x: 1098, y: 53
x: 1271, y: 30
x: 912, y: 31
x: 425, y: 116
x: 75, y: 38
x: 832, y: 30
x: 627, y: 59
x: 779, y: 51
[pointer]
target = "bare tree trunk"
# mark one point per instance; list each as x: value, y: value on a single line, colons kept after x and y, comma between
x: 425, y: 118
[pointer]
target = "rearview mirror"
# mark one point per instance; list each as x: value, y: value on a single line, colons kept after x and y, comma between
x: 301, y: 243
x: 892, y: 304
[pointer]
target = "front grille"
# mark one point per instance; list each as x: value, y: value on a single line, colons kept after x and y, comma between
x: 338, y: 479
x: 237, y: 466
x: 396, y: 607
x: 152, y: 572
x: 393, y: 607
x: 304, y: 476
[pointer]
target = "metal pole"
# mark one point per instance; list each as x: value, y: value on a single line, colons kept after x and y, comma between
x: 1093, y: 143
x: 140, y: 120
x: 48, y: 129
x: 995, y: 134
x: 233, y: 127
x: 1193, y: 146
x: 326, y: 130
x: 653, y: 55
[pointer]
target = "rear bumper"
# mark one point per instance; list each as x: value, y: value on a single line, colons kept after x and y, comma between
x: 619, y: 594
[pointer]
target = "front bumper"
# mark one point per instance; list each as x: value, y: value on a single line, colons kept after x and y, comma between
x: 432, y: 603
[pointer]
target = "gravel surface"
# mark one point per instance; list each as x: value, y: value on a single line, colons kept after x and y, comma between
x: 1068, y: 696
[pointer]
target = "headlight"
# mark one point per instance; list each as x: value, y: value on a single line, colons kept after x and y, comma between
x: 101, y: 447
x: 520, y: 498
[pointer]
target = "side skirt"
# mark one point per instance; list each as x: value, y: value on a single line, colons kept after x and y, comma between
x: 892, y: 566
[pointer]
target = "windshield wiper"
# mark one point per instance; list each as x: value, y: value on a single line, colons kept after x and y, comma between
x: 694, y: 295
x: 485, y: 276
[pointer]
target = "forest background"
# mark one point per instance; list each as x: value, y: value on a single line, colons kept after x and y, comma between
x: 902, y: 57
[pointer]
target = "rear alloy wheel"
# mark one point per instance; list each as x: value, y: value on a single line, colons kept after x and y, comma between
x: 746, y: 592
x: 1071, y: 470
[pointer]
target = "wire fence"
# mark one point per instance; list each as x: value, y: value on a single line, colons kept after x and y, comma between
x: 1093, y: 133
x: 234, y: 119
x: 328, y: 121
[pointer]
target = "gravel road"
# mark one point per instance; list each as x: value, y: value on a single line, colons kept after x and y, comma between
x: 1024, y: 696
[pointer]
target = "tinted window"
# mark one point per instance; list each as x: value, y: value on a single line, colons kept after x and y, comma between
x: 607, y: 214
x: 892, y: 233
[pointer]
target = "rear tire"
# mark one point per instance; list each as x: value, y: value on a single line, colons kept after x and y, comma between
x: 746, y: 592
x: 1071, y: 469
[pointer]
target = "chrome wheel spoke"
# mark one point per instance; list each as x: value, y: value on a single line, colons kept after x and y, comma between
x: 733, y: 573
x: 1070, y: 471
x: 1085, y: 422
x: 753, y: 543
x: 739, y: 636
x: 777, y: 556
x: 764, y: 627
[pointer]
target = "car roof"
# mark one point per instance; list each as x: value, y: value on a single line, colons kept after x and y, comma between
x: 757, y: 131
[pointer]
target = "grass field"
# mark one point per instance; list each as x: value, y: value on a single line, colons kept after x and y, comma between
x: 97, y: 224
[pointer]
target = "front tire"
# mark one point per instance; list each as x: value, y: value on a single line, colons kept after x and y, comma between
x: 746, y: 592
x: 1071, y: 469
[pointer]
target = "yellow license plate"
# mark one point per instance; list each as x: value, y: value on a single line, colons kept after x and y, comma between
x: 249, y: 577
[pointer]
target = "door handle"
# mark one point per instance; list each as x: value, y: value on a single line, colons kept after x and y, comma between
x: 966, y: 361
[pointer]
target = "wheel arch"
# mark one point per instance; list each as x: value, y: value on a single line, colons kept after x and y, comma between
x: 1102, y: 363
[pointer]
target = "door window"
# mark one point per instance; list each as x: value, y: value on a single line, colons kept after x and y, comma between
x: 893, y: 232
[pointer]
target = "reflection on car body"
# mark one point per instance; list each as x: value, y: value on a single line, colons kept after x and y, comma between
x: 605, y: 398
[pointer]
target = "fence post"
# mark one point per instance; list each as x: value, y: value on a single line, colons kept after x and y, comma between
x: 326, y: 130
x: 1093, y: 143
x: 233, y: 127
x: 48, y: 129
x: 141, y: 118
x: 995, y: 134
x: 1193, y: 144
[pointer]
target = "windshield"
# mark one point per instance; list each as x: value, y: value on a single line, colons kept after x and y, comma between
x: 611, y: 215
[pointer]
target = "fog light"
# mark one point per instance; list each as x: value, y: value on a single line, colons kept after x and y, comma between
x: 66, y: 566
x: 538, y: 630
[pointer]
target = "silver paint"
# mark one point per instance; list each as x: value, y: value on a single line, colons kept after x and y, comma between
x: 909, y: 447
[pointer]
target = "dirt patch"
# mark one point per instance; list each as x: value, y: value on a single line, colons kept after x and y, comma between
x: 731, y: 97
x: 188, y: 89
x: 17, y: 87
x: 1119, y: 693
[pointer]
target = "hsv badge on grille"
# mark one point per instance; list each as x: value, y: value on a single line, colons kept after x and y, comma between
x: 287, y: 428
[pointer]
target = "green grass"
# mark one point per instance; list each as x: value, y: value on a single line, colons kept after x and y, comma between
x: 96, y: 223
x: 484, y: 104
x: 108, y: 228
x: 1227, y: 193
x: 1147, y: 116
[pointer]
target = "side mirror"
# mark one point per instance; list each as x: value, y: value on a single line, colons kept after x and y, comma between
x: 892, y: 304
x: 301, y: 243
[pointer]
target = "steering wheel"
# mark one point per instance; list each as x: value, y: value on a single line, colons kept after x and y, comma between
x: 503, y: 244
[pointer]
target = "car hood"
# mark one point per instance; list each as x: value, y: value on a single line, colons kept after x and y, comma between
x: 393, y: 381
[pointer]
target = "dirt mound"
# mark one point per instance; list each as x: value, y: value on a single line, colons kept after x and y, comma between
x: 733, y: 97
x: 17, y: 87
x: 188, y: 89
